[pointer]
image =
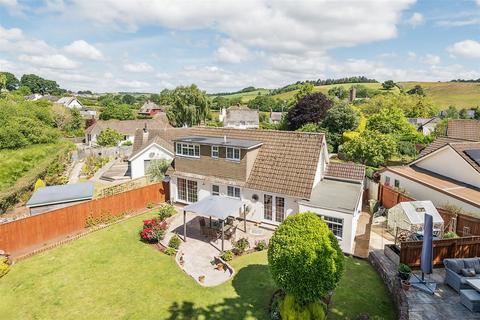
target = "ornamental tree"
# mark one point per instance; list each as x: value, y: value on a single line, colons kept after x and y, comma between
x: 305, y: 258
x: 109, y: 138
x: 311, y: 108
x: 370, y: 147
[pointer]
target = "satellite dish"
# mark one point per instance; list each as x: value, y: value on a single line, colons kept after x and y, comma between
x: 255, y: 197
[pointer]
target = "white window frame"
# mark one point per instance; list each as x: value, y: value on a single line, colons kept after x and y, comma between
x: 232, y: 192
x: 334, y: 221
x: 189, y: 197
x: 183, y: 150
x: 275, y: 204
x: 215, y: 152
x: 232, y: 157
x: 215, y: 193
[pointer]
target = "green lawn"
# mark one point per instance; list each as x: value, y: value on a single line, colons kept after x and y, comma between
x: 110, y: 274
x: 17, y: 163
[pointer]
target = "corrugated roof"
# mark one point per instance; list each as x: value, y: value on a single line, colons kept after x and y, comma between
x: 61, y: 194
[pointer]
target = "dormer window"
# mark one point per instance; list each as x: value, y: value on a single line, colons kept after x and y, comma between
x: 233, y: 154
x: 188, y: 150
x: 215, y: 152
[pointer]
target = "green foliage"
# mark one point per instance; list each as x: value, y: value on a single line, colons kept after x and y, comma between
x: 37, y: 84
x: 39, y: 184
x: 157, y: 168
x: 305, y: 258
x: 311, y: 108
x: 261, y: 245
x: 338, y: 92
x: 93, y: 164
x: 127, y: 143
x: 128, y: 99
x: 117, y: 111
x: 450, y: 235
x: 389, y: 84
x: 340, y: 118
x: 370, y: 148
x: 188, y: 105
x: 170, y: 251
x: 290, y: 309
x: 175, y: 242
x: 417, y: 89
x: 305, y: 90
x: 109, y: 138
x: 11, y: 82
x: 166, y: 211
x: 412, y: 106
x: 404, y: 268
x: 227, y: 255
x: 240, y: 246
x: 390, y: 121
x: 104, y: 218
x: 4, y: 266
x: 266, y: 103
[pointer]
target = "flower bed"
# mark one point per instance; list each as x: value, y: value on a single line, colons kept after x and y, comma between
x: 153, y: 230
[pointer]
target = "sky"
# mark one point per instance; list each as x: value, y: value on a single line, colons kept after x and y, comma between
x: 226, y: 45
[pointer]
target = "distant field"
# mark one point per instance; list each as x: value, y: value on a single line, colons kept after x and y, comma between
x: 17, y: 163
x: 458, y: 94
x: 324, y: 89
x: 246, y: 96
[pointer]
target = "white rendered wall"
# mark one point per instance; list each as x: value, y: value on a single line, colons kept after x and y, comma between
x: 137, y: 165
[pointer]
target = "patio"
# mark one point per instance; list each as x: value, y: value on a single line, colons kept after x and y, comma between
x: 200, y: 250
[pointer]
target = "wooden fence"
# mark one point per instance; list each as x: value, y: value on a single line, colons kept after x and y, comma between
x: 461, y: 224
x: 467, y: 247
x: 21, y: 234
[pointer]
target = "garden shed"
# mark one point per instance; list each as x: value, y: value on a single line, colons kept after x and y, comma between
x: 410, y: 216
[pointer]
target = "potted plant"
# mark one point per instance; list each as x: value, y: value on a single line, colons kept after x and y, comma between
x: 406, y: 285
x: 404, y: 272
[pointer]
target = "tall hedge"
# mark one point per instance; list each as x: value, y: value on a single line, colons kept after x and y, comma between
x: 305, y: 258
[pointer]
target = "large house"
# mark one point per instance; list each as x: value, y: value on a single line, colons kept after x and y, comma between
x: 274, y: 173
x: 126, y: 128
x: 447, y: 171
x: 239, y: 117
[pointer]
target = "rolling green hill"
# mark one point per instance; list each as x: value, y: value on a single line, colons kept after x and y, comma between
x: 246, y: 96
x: 458, y: 94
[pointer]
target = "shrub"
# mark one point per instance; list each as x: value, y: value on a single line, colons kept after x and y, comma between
x: 290, y: 309
x: 240, y: 246
x: 175, y: 242
x: 127, y: 143
x: 261, y: 245
x: 166, y: 211
x: 404, y: 268
x: 170, y: 251
x: 305, y: 258
x: 39, y: 184
x: 227, y: 255
x: 450, y: 235
x: 4, y: 266
x: 150, y: 205
x: 153, y: 230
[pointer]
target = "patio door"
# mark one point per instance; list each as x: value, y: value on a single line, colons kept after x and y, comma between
x: 187, y: 190
x: 273, y: 213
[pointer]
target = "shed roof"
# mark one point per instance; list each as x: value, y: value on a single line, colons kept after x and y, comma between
x: 416, y: 210
x: 336, y: 195
x: 61, y: 194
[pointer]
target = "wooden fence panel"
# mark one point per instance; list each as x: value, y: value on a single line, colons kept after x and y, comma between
x: 31, y: 231
x: 468, y: 247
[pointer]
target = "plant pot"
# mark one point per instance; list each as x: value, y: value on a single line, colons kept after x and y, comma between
x: 201, y: 279
x: 404, y: 275
x: 406, y: 285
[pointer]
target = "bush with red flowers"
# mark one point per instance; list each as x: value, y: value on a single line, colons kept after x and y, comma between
x: 153, y: 230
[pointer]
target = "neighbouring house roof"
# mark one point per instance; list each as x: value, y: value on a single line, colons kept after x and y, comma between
x: 127, y: 127
x: 423, y: 121
x: 438, y: 143
x: 464, y: 129
x: 50, y: 98
x: 221, y: 141
x: 61, y: 194
x: 150, y: 106
x: 276, y: 116
x: 286, y: 162
x: 67, y: 100
x: 345, y: 171
x: 453, y: 188
x: 336, y: 195
x: 240, y: 115
x: 415, y: 211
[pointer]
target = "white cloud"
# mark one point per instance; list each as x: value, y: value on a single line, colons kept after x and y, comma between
x: 140, y: 67
x: 478, y: 2
x: 10, y: 34
x: 132, y: 84
x: 12, y: 6
x: 232, y: 52
x: 411, y: 55
x: 466, y: 49
x: 431, y: 59
x: 55, y: 61
x: 82, y: 49
x: 416, y: 19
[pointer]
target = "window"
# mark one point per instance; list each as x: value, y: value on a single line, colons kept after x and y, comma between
x: 187, y: 190
x: 397, y: 183
x: 233, y: 192
x: 279, y: 209
x: 387, y: 181
x: 188, y: 150
x: 267, y: 207
x: 215, y: 152
x: 215, y: 190
x: 335, y: 225
x: 233, y: 154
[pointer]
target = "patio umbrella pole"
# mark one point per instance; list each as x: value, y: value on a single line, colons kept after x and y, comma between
x: 184, y: 225
x: 223, y: 234
x: 245, y: 219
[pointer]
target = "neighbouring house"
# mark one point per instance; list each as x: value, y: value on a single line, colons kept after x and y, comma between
x: 126, y: 128
x: 410, y: 216
x: 447, y: 172
x: 273, y: 173
x: 239, y: 117
x: 33, y: 97
x: 150, y: 109
x: 425, y: 125
x: 275, y: 117
x: 56, y: 197
x: 70, y: 102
